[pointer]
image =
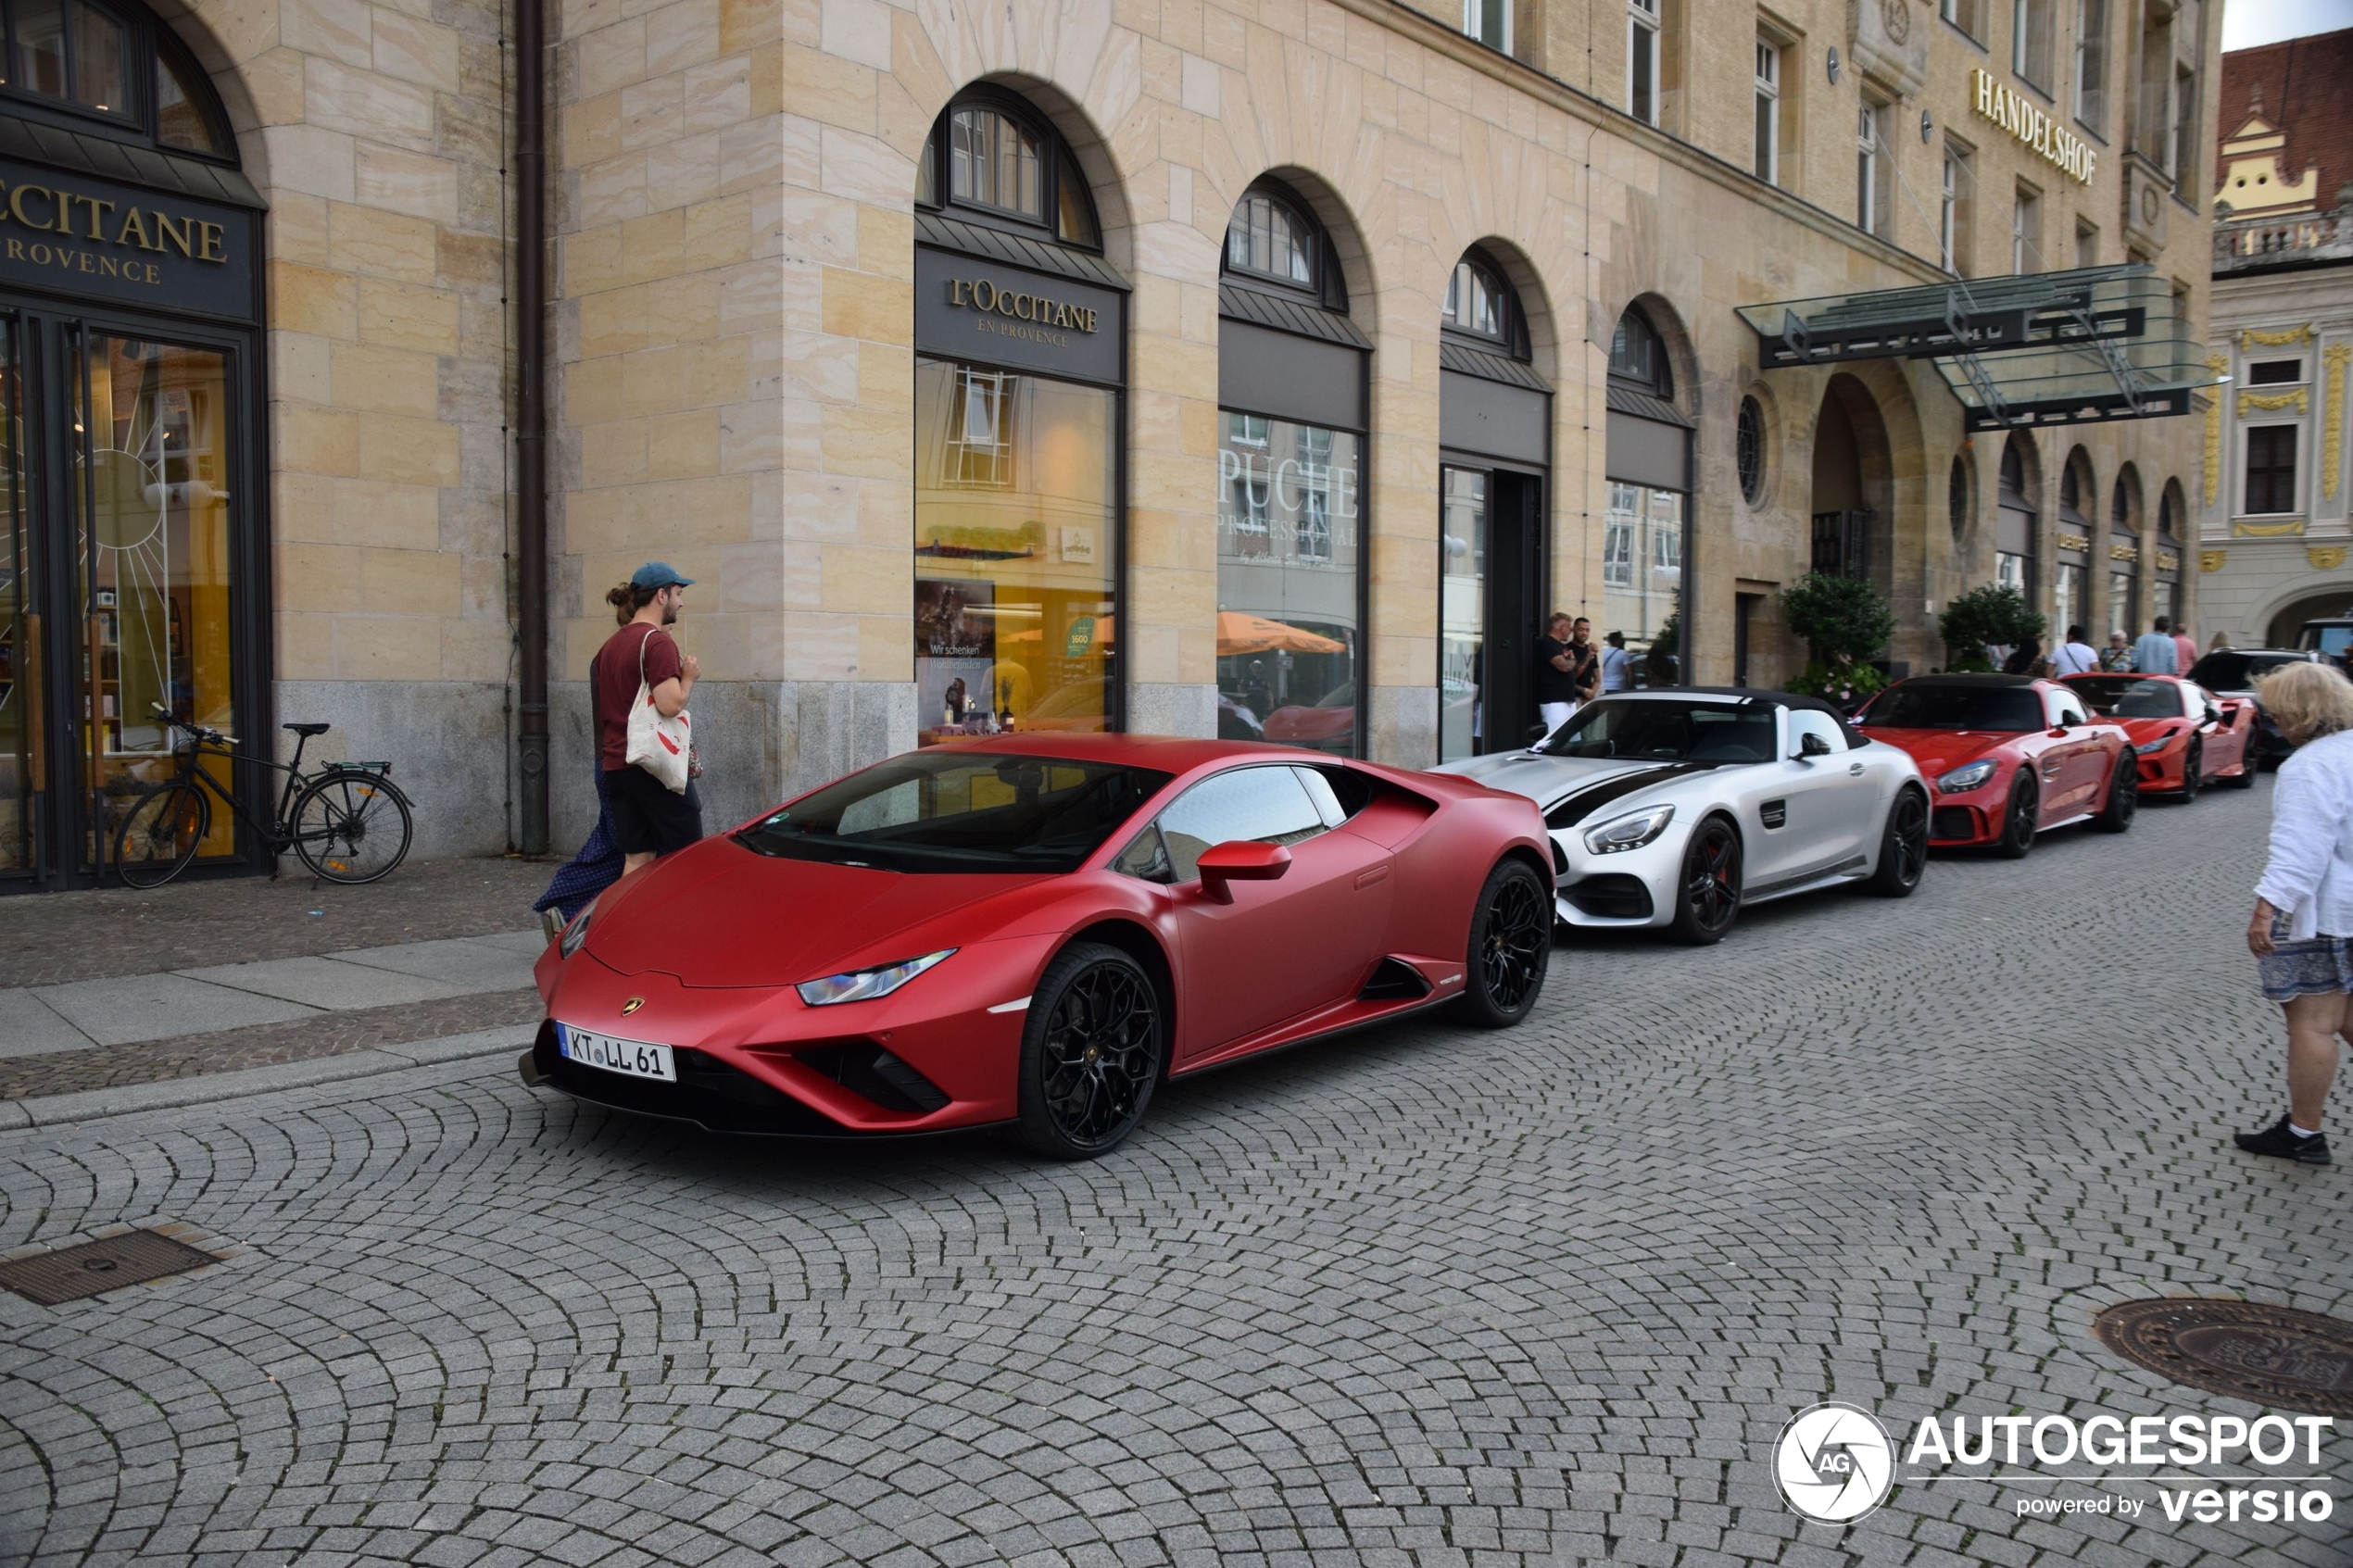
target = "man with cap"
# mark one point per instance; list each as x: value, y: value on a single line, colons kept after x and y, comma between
x: 647, y: 820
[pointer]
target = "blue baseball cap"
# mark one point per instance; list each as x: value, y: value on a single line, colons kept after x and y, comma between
x: 658, y: 575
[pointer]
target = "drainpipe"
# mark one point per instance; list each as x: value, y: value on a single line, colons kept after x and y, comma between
x: 532, y: 240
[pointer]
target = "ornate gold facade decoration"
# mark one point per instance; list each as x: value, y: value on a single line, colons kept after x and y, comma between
x: 2275, y: 340
x: 2288, y: 529
x: 2168, y: 562
x: 2270, y: 402
x: 2333, y: 406
x: 2074, y: 542
x: 2211, y: 561
x: 2324, y: 557
x: 2214, y: 362
x: 2124, y: 553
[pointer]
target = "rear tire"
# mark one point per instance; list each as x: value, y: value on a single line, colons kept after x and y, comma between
x: 1707, y: 899
x: 2123, y: 796
x: 160, y: 834
x: 1903, y: 846
x: 2245, y: 777
x: 1510, y: 948
x: 1092, y: 1047
x: 2020, y: 819
x: 351, y: 827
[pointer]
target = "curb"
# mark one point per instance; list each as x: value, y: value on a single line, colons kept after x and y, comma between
x: 91, y: 1105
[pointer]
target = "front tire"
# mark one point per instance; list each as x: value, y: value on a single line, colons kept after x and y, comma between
x: 2192, y: 773
x: 2020, y: 819
x: 1511, y: 948
x: 2123, y: 796
x: 160, y: 832
x: 1707, y: 899
x: 1903, y: 846
x: 1091, y: 1052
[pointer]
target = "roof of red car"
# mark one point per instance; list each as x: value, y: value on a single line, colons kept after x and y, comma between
x: 1167, y: 754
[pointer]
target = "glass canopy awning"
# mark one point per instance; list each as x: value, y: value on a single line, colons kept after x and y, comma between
x: 2097, y: 343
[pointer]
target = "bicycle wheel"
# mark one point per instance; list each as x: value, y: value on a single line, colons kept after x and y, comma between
x: 348, y: 827
x: 160, y: 835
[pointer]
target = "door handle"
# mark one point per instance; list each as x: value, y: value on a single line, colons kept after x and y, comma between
x: 1855, y: 768
x: 1372, y: 878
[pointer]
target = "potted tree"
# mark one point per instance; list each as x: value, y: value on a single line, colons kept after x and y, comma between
x: 1994, y: 616
x: 1844, y: 623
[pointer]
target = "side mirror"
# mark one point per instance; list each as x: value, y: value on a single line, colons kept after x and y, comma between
x: 1811, y: 745
x: 1241, y: 859
x: 1537, y: 731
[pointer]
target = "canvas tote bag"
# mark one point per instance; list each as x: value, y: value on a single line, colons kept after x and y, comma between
x: 662, y: 747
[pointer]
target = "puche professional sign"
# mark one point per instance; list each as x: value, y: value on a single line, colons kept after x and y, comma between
x: 75, y: 234
x: 2056, y: 144
x: 973, y: 309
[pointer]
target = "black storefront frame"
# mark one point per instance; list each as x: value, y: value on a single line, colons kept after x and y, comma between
x: 1537, y: 556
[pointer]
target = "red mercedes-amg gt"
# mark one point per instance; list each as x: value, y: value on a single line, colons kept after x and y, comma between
x: 2007, y: 757
x: 2184, y: 737
x: 1036, y: 929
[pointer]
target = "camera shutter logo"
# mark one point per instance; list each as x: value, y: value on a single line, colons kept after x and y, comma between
x: 1833, y: 1463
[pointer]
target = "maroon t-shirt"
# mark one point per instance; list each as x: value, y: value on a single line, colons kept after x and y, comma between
x: 612, y: 684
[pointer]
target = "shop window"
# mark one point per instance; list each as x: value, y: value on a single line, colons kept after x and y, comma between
x: 1489, y: 22
x: 2271, y: 470
x: 1642, y: 557
x: 2030, y: 40
x: 1956, y: 199
x: 1008, y: 168
x: 1768, y: 110
x: 1748, y: 450
x: 2012, y: 570
x: 980, y: 448
x: 1642, y: 59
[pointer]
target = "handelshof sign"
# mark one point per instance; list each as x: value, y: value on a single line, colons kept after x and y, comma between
x: 976, y: 310
x: 2013, y: 113
x: 73, y: 233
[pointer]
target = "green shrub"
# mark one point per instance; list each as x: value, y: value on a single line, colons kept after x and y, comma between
x: 1992, y: 615
x: 1837, y: 618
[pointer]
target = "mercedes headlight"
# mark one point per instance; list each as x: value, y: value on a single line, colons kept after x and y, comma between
x: 1621, y: 834
x: 865, y: 985
x: 1964, y: 779
x: 574, y: 935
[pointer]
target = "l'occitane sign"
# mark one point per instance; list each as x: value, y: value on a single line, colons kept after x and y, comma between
x: 2056, y: 144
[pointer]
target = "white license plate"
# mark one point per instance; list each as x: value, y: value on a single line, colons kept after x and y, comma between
x: 640, y: 1058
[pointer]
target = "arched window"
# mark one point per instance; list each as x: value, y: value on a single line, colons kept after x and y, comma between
x: 2015, y: 523
x: 2013, y: 470
x: 1478, y: 300
x: 2079, y: 496
x: 1637, y: 356
x: 1957, y: 500
x: 109, y: 67
x: 2124, y: 553
x: 1748, y: 450
x: 1007, y: 168
x: 1273, y: 242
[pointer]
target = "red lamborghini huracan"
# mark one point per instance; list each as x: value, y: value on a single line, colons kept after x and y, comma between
x: 2008, y: 757
x: 1035, y: 930
x: 2184, y: 737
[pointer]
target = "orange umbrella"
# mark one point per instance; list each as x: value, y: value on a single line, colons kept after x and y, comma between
x: 1240, y: 632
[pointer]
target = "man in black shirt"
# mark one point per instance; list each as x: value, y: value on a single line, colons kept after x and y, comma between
x: 1555, y: 678
x: 1584, y: 661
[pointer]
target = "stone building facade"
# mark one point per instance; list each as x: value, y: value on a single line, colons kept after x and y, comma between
x: 741, y: 346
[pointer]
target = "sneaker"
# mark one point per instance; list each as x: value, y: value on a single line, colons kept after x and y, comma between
x: 2276, y: 1139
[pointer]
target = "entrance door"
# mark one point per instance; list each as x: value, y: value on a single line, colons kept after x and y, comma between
x: 124, y: 491
x: 1489, y: 602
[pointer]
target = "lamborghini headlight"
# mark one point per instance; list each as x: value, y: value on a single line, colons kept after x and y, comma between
x: 865, y: 985
x: 1631, y: 832
x: 574, y: 935
x: 1961, y: 779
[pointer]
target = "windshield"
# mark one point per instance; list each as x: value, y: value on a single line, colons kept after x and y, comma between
x: 2012, y: 709
x: 2128, y: 696
x: 960, y: 811
x: 2331, y: 640
x: 1667, y: 731
x: 2228, y: 671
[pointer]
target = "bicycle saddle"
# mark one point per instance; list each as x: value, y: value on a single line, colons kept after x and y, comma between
x: 306, y: 730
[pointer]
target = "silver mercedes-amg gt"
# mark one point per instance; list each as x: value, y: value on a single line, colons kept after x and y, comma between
x: 1676, y: 807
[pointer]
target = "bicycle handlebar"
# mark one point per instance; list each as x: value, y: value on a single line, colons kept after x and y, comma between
x: 172, y: 721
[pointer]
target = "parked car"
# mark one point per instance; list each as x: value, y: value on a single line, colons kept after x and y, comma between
x: 2232, y: 672
x: 2009, y: 758
x: 1677, y: 809
x: 1035, y: 931
x: 2328, y: 635
x: 2184, y: 737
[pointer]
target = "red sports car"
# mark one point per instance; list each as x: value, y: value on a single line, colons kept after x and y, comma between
x: 2183, y: 735
x: 2007, y: 757
x: 1036, y: 929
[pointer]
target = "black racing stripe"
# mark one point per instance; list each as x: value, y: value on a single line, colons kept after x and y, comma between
x: 1592, y: 798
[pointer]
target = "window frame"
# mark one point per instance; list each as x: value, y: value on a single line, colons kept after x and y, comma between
x: 1660, y: 383
x: 2030, y: 44
x: 1057, y: 165
x: 2293, y: 430
x: 2301, y: 378
x: 1957, y: 211
x: 1327, y: 289
x: 1767, y: 159
x: 1647, y: 18
x: 1510, y: 337
x: 148, y: 46
x: 1874, y: 167
x: 1471, y: 25
x: 2026, y: 238
x: 2090, y: 61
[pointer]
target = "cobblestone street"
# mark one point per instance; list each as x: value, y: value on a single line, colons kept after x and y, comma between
x: 1421, y: 1294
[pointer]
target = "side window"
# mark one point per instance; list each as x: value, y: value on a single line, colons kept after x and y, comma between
x: 1147, y: 858
x: 1267, y: 804
x: 1319, y: 789
x: 1804, y: 722
x: 2066, y: 706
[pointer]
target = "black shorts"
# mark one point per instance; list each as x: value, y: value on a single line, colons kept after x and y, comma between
x: 648, y: 819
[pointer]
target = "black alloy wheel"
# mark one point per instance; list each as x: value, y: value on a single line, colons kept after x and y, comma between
x: 1511, y: 946
x: 2019, y: 818
x: 1091, y: 1052
x: 2193, y: 771
x: 161, y: 833
x: 2123, y: 793
x: 1709, y: 900
x: 1903, y: 846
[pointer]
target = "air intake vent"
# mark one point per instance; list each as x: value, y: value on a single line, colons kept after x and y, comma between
x: 1393, y: 980
x: 867, y: 1070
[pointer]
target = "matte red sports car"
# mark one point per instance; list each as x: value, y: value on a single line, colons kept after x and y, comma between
x: 2007, y: 757
x: 1036, y: 929
x: 2184, y: 737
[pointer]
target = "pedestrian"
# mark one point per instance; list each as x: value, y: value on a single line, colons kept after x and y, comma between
x: 2302, y: 930
x: 579, y: 880
x: 2074, y: 656
x: 2185, y: 649
x: 1617, y: 665
x: 2117, y: 658
x: 2221, y: 643
x: 1584, y: 661
x: 2153, y: 653
x: 1555, y: 689
x: 647, y: 820
x: 2023, y: 657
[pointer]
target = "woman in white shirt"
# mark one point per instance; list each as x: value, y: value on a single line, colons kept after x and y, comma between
x: 2302, y: 930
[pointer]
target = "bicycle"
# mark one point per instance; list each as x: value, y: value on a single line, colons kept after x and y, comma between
x: 349, y: 821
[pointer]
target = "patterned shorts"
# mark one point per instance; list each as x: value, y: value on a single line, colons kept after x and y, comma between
x: 2317, y: 966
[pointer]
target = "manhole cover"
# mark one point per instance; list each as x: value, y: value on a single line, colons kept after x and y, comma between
x: 71, y: 1273
x: 2273, y: 1356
